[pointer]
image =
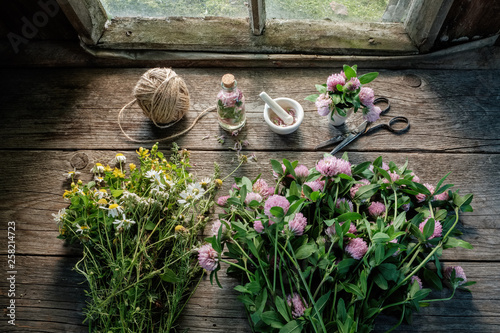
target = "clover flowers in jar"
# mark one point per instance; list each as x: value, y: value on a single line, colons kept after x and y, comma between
x: 343, y: 94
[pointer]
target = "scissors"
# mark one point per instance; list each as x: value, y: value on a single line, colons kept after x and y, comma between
x: 365, y: 128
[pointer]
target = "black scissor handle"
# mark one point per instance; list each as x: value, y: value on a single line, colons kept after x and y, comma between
x: 390, y: 126
x: 395, y: 120
x: 383, y: 99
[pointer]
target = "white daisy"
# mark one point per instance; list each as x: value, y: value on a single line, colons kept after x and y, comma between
x: 59, y: 216
x: 114, y: 210
x: 123, y: 223
x: 99, y: 179
x: 120, y: 158
x: 153, y: 175
x: 196, y: 190
x: 205, y: 182
x: 97, y: 168
x: 186, y: 198
x: 72, y: 174
x: 81, y: 229
x: 102, y: 193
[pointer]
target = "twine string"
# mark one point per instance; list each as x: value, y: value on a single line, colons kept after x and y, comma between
x: 173, y: 136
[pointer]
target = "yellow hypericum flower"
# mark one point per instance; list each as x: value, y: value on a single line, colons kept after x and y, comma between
x: 180, y: 228
x: 80, y: 182
x: 118, y: 174
x: 218, y: 182
x: 102, y: 202
x: 67, y: 194
x: 107, y: 168
x: 132, y: 166
x: 143, y: 153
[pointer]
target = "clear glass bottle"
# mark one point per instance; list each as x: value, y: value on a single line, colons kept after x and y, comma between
x: 230, y: 105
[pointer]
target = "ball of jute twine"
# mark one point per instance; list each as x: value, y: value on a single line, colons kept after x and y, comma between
x: 164, y: 98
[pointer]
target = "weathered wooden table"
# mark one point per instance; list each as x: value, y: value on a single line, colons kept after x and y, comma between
x: 55, y: 119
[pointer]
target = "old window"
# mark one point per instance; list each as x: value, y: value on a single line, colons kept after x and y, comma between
x: 322, y: 27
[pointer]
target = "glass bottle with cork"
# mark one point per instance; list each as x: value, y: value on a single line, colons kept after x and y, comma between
x: 230, y: 105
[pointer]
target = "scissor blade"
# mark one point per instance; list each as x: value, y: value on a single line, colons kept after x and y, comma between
x: 359, y: 130
x: 331, y: 141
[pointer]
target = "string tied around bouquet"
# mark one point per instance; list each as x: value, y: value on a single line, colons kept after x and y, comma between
x: 164, y: 98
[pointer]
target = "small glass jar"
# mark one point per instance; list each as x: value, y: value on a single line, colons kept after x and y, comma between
x: 230, y: 105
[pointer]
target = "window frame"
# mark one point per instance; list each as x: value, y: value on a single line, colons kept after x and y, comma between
x: 255, y: 34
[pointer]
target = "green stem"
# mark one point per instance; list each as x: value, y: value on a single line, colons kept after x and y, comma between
x: 306, y: 287
x: 238, y: 266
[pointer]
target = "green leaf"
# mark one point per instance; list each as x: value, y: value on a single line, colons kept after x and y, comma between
x: 420, y: 188
x: 360, y: 168
x: 150, y: 226
x: 116, y: 193
x: 305, y: 251
x: 440, y: 182
x: 341, y: 310
x: 368, y: 77
x: 380, y: 237
x: 293, y: 326
x: 272, y: 319
x: 321, y: 88
x: 432, y: 279
x: 289, y: 167
x: 282, y: 308
x: 321, y: 302
x: 400, y: 220
x: 389, y: 271
x: 170, y: 276
x: 460, y: 201
x: 344, y: 266
x: 312, y: 98
x: 353, y: 289
x: 277, y: 211
x: 381, y: 282
x: 349, y: 72
x: 455, y: 242
x: 366, y: 192
x: 277, y: 167
x: 379, y: 254
x: 384, y: 174
x: 349, y: 217
x: 429, y: 228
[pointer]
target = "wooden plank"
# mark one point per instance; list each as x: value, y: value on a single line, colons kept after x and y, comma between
x: 469, y: 20
x: 424, y: 21
x: 473, y: 55
x: 88, y: 17
x: 257, y: 16
x: 281, y: 36
x: 78, y: 108
x: 32, y: 203
x: 45, y: 283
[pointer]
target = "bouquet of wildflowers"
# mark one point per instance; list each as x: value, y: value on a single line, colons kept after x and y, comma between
x: 138, y: 227
x: 328, y: 249
x: 344, y: 91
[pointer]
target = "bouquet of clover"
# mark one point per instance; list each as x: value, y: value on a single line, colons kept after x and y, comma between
x: 138, y: 227
x: 329, y: 249
x: 345, y: 91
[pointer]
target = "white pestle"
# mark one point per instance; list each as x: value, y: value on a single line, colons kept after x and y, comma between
x: 278, y: 110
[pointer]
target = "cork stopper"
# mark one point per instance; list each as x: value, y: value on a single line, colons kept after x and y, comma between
x: 228, y: 80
